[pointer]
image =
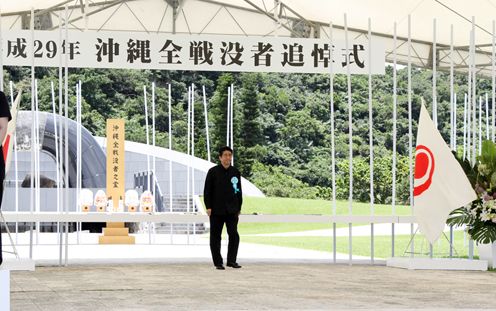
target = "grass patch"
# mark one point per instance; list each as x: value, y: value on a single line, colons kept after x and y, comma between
x: 361, y: 245
x: 288, y: 206
x: 262, y: 228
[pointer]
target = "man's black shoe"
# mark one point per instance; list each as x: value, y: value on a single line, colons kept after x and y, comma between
x: 233, y: 265
x: 220, y: 267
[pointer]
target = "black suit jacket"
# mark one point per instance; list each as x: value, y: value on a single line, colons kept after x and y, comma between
x: 222, y: 192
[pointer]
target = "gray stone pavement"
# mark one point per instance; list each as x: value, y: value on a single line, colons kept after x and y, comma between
x: 257, y: 286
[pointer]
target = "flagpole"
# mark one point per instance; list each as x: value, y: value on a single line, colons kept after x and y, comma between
x: 371, y: 142
x: 57, y: 153
x: 393, y: 190
x: 350, y: 143
x: 206, y: 122
x: 145, y: 101
x: 31, y: 45
x: 333, y: 158
x: 154, y: 164
x: 170, y: 158
x: 472, y: 44
x: 189, y: 162
x: 193, y: 154
x: 66, y: 126
x: 410, y: 135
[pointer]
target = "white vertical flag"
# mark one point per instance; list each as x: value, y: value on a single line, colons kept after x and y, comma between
x: 440, y: 185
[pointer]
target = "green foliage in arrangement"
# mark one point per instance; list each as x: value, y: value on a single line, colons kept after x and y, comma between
x: 480, y: 215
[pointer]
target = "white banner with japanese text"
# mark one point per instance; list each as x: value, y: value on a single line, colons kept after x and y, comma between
x: 92, y: 49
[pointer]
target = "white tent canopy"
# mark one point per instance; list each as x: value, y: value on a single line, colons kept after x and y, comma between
x: 309, y: 18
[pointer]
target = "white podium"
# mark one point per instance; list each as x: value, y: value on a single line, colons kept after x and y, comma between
x: 437, y: 263
x: 7, y: 266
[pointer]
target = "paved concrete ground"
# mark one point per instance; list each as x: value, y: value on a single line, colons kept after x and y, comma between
x: 257, y: 286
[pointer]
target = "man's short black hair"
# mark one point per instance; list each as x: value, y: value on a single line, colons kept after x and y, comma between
x: 225, y: 148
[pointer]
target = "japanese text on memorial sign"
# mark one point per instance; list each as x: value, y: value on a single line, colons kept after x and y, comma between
x: 115, y: 159
x: 190, y: 52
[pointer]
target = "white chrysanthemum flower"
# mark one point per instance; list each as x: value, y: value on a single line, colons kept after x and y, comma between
x: 485, y: 216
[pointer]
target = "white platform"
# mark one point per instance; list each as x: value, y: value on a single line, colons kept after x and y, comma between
x: 7, y: 266
x: 437, y: 264
x: 11, y: 264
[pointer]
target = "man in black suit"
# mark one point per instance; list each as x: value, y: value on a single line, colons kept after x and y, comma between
x: 223, y: 198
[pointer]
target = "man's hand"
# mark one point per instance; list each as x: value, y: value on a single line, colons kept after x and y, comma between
x: 209, y: 212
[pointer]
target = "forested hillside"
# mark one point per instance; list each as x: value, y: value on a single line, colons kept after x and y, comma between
x: 282, y: 137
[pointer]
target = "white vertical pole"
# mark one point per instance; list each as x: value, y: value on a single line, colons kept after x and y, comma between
x: 11, y: 86
x: 395, y: 103
x: 410, y: 135
x: 371, y: 142
x: 469, y: 104
x: 170, y: 158
x: 61, y: 162
x: 465, y: 127
x: 153, y: 143
x: 480, y: 125
x: 188, y: 150
x: 452, y: 91
x: 487, y: 116
x: 61, y: 158
x: 147, y: 130
x: 85, y: 16
x: 31, y: 45
x: 192, y: 141
x: 193, y: 153
x: 231, y: 130
x: 371, y: 123
x: 188, y: 175
x: 66, y: 110
x: 77, y: 150
x: 455, y: 129
x: 350, y: 142
x: 228, y: 118
x: 474, y: 93
x: 153, y: 163
x: 205, y: 112
x: 493, y: 84
x: 333, y: 158
x: 148, y: 180
x: 57, y: 155
x: 474, y: 96
x: 37, y: 156
x: 434, y: 74
x: 79, y: 108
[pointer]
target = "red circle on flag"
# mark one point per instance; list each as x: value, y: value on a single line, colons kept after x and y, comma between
x: 424, y: 169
